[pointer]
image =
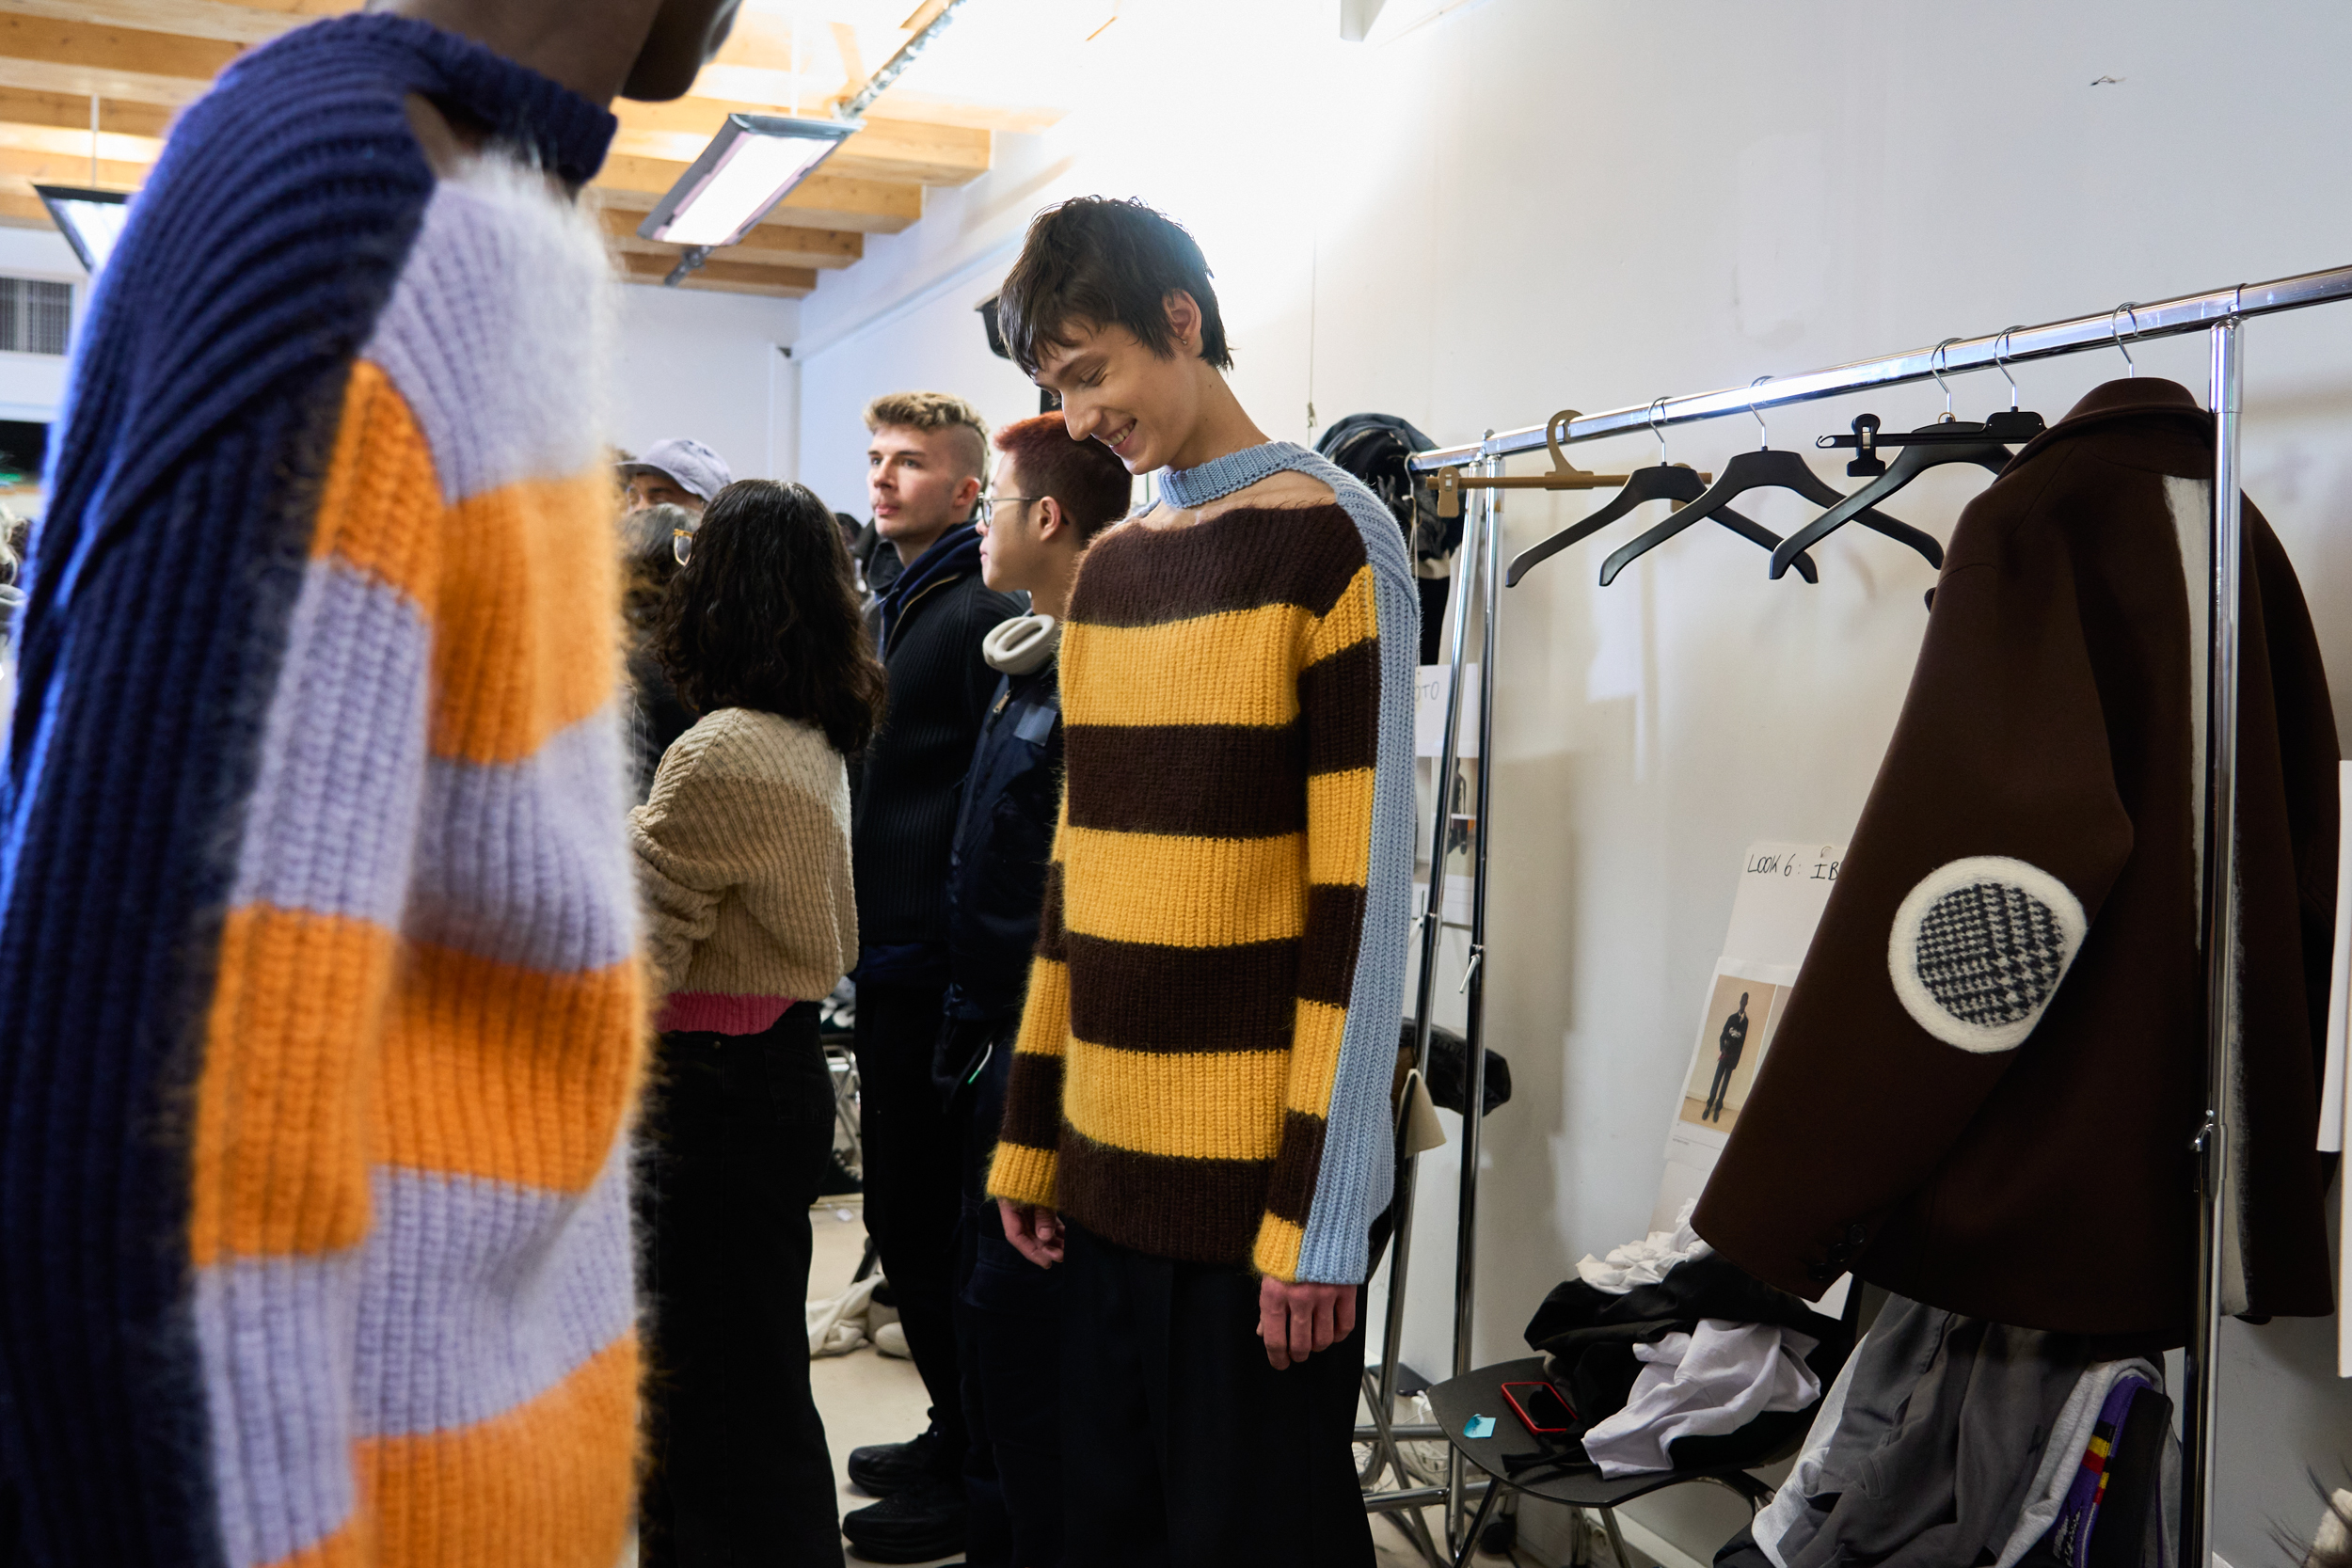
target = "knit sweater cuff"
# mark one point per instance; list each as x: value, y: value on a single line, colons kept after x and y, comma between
x: 1023, y: 1175
x: 1276, y: 1252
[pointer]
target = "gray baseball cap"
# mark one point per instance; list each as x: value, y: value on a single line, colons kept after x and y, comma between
x: 695, y: 466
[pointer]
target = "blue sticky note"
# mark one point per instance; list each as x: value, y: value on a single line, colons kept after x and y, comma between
x: 1479, y: 1426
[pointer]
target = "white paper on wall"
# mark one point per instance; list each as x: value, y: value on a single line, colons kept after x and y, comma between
x: 1781, y: 891
x: 1429, y: 689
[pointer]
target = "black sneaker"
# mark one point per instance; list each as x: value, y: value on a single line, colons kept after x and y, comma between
x: 887, y: 1470
x: 923, y: 1522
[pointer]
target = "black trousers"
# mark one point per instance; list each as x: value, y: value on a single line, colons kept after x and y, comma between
x: 913, y: 1188
x: 1181, y: 1443
x: 1725, y: 1067
x: 737, y: 1133
x: 1008, y: 1339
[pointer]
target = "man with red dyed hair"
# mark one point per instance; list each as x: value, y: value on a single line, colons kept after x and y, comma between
x: 1052, y: 496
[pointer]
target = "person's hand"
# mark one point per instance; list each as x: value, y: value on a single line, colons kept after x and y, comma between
x: 1297, y: 1321
x: 1035, y: 1232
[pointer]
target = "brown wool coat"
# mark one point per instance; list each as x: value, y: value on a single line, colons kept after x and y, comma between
x: 1899, y: 1127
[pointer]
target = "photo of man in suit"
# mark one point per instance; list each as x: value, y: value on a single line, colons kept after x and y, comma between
x: 1727, y: 1048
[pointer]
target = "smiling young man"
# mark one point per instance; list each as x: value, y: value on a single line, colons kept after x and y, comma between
x: 924, y: 463
x: 321, y: 1010
x: 1197, y: 1126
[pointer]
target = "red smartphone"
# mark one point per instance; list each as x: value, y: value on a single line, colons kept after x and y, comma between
x: 1539, y: 1406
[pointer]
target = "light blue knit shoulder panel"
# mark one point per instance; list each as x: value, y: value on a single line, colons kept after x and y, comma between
x: 1358, y: 1147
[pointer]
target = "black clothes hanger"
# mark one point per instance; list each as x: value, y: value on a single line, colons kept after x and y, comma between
x: 1932, y: 445
x: 1659, y: 482
x: 1767, y: 469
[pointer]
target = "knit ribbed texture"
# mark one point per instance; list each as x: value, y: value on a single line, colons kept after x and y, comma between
x: 319, y: 1002
x: 1203, y: 1066
x: 743, y: 856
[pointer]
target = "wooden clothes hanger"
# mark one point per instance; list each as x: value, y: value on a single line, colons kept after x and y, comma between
x: 1451, y: 482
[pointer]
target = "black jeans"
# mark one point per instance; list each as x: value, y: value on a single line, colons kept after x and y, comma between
x: 1181, y: 1443
x: 913, y: 1186
x: 1009, y: 1336
x: 737, y: 1133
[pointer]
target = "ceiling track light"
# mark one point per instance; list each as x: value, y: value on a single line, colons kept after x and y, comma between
x: 751, y: 164
x: 90, y: 220
x: 755, y: 160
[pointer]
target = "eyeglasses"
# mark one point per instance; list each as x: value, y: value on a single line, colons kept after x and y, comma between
x: 681, y: 544
x: 984, y: 510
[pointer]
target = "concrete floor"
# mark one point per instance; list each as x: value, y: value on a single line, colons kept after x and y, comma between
x: 868, y: 1398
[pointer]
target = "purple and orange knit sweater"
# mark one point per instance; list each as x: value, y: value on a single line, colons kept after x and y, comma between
x: 320, y: 997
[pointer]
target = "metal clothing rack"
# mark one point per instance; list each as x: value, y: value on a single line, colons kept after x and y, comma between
x: 2221, y: 315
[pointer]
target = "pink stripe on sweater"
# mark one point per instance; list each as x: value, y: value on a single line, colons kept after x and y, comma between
x: 721, y: 1014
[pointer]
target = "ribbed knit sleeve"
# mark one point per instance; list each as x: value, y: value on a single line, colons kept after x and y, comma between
x: 1024, y: 1167
x: 1339, y: 704
x: 1355, y: 696
x: 319, y: 995
x: 743, y: 861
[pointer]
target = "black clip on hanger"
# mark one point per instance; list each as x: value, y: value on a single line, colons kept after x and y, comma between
x: 1947, y: 440
x: 1660, y: 481
x: 1761, y: 469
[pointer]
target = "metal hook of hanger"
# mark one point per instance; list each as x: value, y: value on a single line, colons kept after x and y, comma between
x: 1658, y: 429
x: 1763, y: 435
x: 2000, y: 355
x: 1933, y: 361
x: 2131, y: 308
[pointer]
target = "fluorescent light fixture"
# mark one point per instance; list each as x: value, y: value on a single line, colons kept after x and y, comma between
x: 91, y: 221
x: 750, y: 166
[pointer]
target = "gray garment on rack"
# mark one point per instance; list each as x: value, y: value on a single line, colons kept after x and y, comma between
x: 1937, y: 1440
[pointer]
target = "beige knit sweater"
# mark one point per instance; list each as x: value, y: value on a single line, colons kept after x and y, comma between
x: 743, y: 860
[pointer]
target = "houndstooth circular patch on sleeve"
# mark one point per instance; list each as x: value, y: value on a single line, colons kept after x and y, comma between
x: 1978, y: 949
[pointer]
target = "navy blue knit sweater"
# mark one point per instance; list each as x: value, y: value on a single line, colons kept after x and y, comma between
x: 185, y: 496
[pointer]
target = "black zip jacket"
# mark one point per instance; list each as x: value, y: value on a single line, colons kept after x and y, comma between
x: 910, y: 776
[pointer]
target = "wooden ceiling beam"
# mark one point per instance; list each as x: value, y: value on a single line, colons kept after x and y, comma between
x: 770, y: 243
x: 93, y: 46
x: 51, y: 169
x: 63, y: 142
x: 70, y: 112
x: 20, y: 209
x: 722, y: 277
x: 111, y: 86
x: 195, y: 19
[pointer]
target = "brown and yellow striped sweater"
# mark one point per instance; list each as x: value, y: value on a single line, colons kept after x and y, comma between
x: 1202, y: 1070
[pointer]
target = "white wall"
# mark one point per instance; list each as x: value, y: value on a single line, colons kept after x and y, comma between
x: 1526, y: 204
x: 709, y: 366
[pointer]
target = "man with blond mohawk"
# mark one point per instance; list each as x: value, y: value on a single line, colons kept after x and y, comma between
x: 924, y: 463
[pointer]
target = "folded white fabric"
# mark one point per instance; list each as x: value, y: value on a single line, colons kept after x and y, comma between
x: 1645, y: 1262
x: 1703, y: 1384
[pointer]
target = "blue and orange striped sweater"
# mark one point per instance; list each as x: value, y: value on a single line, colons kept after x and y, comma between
x: 320, y: 995
x: 1204, y: 1064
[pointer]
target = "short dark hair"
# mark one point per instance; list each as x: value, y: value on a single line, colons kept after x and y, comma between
x: 1092, y: 486
x: 1105, y: 263
x: 763, y: 616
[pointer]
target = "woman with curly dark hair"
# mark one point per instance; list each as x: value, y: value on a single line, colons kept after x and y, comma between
x: 743, y: 858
